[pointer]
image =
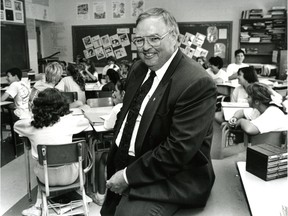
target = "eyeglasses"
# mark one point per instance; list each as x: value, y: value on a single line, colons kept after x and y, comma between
x: 153, y: 40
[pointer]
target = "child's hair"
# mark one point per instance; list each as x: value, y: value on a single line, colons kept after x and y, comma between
x: 113, y: 75
x: 204, y: 65
x: 121, y: 85
x: 249, y: 74
x: 239, y: 51
x: 48, y: 107
x: 77, y: 77
x: 89, y: 63
x: 216, y: 61
x: 15, y: 71
x: 261, y: 92
x: 53, y: 72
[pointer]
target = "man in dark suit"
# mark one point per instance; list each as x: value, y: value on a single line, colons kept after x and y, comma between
x: 167, y: 163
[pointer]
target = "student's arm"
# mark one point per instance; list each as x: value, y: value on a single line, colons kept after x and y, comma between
x: 5, y: 96
x: 94, y: 78
x: 247, y: 126
x: 239, y: 114
x: 233, y: 76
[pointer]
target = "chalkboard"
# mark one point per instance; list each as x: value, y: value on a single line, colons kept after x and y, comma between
x: 211, y: 38
x: 100, y: 41
x: 14, y: 47
x: 216, y: 40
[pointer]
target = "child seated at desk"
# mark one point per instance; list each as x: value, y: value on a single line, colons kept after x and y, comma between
x: 118, y: 96
x: 234, y: 67
x: 215, y: 70
x: 53, y: 74
x: 52, y: 123
x: 74, y: 82
x: 109, y: 123
x: 271, y: 117
x: 19, y: 91
x: 246, y: 76
x: 111, y: 77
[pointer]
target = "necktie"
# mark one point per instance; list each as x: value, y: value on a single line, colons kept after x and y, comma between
x: 122, y: 154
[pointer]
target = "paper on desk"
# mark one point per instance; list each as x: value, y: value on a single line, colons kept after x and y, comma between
x: 105, y: 117
x: 76, y: 111
x: 234, y: 104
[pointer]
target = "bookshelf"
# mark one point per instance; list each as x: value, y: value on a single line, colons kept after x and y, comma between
x: 261, y: 34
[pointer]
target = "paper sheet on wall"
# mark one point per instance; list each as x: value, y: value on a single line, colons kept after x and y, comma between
x: 222, y: 33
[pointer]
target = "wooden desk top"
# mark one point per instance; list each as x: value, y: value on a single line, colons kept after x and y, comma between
x: 264, y: 197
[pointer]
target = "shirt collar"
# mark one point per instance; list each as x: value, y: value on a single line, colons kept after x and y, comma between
x: 160, y: 72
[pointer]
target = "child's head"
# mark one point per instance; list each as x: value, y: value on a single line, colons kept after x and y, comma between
x: 111, y: 60
x: 119, y: 92
x: 13, y: 75
x: 247, y: 75
x: 124, y: 68
x: 258, y: 93
x: 112, y: 76
x: 53, y: 72
x: 216, y: 63
x: 239, y: 56
x: 48, y: 107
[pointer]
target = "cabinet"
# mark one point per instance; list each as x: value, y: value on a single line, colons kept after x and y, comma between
x: 259, y: 37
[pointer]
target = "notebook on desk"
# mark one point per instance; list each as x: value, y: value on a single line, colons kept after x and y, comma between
x: 94, y: 119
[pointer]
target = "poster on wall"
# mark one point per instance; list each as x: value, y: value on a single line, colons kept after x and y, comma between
x: 83, y: 11
x: 99, y: 10
x: 12, y: 11
x: 120, y: 53
x: 118, y: 7
x: 137, y: 7
x: 18, y: 12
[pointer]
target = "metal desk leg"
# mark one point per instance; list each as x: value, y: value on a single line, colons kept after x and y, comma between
x: 27, y: 166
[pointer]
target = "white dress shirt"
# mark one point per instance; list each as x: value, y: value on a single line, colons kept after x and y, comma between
x: 157, y: 79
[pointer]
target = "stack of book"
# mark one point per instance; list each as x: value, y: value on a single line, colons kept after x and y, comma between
x: 267, y: 161
x: 244, y: 37
x: 252, y: 50
x: 278, y: 12
x: 256, y: 14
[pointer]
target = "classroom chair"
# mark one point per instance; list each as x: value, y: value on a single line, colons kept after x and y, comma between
x: 100, y: 102
x: 57, y: 155
x: 98, y: 94
x: 277, y: 138
x: 70, y: 96
x: 27, y: 148
x: 101, y: 140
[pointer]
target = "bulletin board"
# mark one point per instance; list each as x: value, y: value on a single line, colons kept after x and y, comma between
x: 14, y: 41
x: 100, y: 41
x: 97, y: 42
x: 207, y: 39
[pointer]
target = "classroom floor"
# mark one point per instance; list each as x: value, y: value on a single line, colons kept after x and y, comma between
x: 14, y: 189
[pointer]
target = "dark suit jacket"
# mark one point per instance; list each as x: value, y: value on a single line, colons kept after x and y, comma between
x: 173, y: 143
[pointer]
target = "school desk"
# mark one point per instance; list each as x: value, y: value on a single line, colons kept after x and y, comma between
x: 264, y: 197
x: 226, y: 88
x: 227, y: 197
x: 229, y: 108
x: 96, y: 118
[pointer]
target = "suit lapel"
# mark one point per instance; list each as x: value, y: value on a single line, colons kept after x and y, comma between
x: 154, y: 103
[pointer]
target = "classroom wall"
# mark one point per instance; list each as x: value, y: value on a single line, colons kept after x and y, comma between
x: 57, y: 36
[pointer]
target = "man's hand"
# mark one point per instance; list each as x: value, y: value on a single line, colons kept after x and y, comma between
x: 117, y: 183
